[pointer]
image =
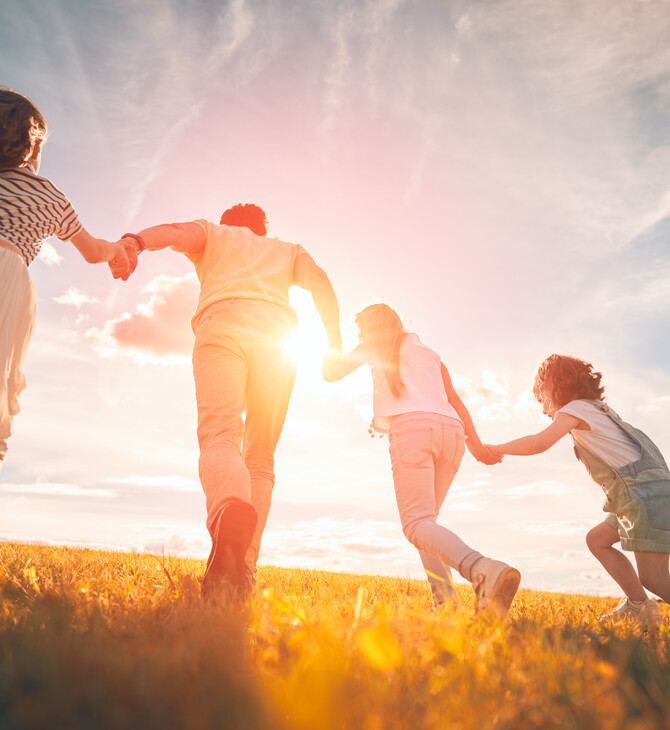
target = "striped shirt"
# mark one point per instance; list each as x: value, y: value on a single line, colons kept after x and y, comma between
x: 32, y: 208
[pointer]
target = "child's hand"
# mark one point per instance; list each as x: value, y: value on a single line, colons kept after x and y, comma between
x: 329, y: 369
x: 494, y: 449
x: 487, y: 455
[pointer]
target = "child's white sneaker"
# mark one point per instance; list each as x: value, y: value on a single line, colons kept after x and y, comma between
x: 646, y: 612
x: 495, y: 584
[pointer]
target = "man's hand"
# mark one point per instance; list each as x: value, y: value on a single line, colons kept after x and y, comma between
x: 125, y: 262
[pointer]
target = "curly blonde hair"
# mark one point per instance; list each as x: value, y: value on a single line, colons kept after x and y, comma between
x: 567, y: 378
x: 22, y: 126
x: 381, y: 327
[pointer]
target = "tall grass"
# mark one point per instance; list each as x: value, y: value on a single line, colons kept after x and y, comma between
x: 108, y: 640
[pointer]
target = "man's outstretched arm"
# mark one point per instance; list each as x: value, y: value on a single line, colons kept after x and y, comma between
x: 186, y: 238
x: 307, y: 275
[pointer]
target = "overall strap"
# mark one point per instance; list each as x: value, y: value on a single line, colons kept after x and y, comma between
x: 650, y: 456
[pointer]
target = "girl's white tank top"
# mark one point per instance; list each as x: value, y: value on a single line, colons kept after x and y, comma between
x: 420, y: 370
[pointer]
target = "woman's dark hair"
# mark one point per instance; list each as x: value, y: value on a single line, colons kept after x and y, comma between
x: 22, y: 126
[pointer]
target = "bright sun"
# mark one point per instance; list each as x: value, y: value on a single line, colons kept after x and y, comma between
x: 309, y: 344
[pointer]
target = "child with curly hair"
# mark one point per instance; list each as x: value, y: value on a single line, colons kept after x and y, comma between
x: 31, y: 209
x: 626, y: 464
x: 414, y: 401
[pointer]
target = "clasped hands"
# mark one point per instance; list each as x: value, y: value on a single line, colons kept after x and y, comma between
x: 125, y: 261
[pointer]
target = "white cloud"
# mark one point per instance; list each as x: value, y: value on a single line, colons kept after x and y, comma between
x: 168, y: 482
x: 557, y: 528
x: 75, y: 298
x: 337, y: 544
x: 49, y: 255
x: 159, y: 330
x: 49, y: 489
x: 234, y: 27
x: 335, y: 81
x: 543, y: 488
x: 489, y: 386
x: 657, y: 404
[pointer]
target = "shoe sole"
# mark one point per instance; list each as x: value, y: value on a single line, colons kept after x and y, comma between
x: 503, y: 592
x: 632, y: 619
x: 234, y: 533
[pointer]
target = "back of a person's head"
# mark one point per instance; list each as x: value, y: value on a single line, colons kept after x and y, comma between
x: 21, y: 127
x: 246, y: 215
x: 378, y: 324
x: 568, y: 378
x: 380, y: 327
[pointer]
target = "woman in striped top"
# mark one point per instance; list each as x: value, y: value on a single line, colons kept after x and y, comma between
x: 31, y: 210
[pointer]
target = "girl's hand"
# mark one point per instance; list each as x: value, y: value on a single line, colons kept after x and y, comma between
x: 331, y: 361
x: 484, y: 454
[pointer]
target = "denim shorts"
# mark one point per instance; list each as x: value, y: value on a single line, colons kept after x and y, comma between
x: 639, y: 507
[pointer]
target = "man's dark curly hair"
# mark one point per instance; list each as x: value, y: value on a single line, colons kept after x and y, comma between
x: 246, y: 214
x: 567, y: 378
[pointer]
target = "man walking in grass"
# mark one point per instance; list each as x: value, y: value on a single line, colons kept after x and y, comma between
x: 241, y: 367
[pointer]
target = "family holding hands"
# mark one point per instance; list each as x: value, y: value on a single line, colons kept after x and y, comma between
x: 244, y: 378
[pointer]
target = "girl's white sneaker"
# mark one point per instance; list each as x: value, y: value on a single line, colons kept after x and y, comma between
x: 495, y: 584
x: 646, y: 612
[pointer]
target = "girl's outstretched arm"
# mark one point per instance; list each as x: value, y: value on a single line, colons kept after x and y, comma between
x: 337, y: 365
x: 539, y: 442
x: 475, y: 447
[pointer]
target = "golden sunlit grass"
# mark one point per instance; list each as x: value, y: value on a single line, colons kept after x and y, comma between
x: 107, y: 640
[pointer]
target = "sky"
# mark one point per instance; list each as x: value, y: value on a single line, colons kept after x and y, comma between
x: 495, y: 170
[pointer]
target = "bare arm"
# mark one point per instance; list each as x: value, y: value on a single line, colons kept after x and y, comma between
x: 309, y: 276
x: 96, y: 250
x: 99, y: 250
x: 337, y: 365
x: 186, y: 238
x: 536, y: 443
x: 473, y: 442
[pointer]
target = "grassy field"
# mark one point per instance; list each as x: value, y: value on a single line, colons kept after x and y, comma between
x: 112, y: 640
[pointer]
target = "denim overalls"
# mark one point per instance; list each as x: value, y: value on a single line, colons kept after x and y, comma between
x: 637, y: 495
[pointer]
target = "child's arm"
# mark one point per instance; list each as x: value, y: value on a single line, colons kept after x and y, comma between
x: 337, y: 365
x: 475, y: 447
x: 539, y: 442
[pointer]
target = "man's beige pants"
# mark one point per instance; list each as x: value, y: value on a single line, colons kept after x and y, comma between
x: 241, y: 366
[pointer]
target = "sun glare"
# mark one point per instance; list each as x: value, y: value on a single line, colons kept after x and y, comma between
x: 309, y: 344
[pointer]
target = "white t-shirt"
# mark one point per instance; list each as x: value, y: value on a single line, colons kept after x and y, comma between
x: 420, y: 370
x: 237, y: 264
x: 604, y: 439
